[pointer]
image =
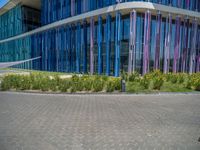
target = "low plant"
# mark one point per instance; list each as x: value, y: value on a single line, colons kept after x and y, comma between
x: 25, y: 83
x: 7, y: 83
x: 158, y: 82
x: 145, y: 82
x: 194, y: 82
x: 134, y: 87
x: 87, y: 84
x: 118, y: 84
x: 124, y: 76
x: 114, y: 84
x: 98, y: 85
x: 64, y: 85
x: 182, y: 77
x: 134, y: 77
x: 173, y: 78
x: 45, y: 84
x: 152, y: 81
x: 169, y: 87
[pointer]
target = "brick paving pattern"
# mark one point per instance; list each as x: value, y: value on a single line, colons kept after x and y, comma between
x: 99, y: 122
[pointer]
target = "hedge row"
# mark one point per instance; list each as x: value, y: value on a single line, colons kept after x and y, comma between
x: 157, y: 81
x: 135, y: 83
x: 43, y: 82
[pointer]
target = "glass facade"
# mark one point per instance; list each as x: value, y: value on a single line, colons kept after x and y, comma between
x: 111, y: 43
x: 18, y: 20
x: 56, y: 10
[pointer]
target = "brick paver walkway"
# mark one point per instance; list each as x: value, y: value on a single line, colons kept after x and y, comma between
x: 99, y: 122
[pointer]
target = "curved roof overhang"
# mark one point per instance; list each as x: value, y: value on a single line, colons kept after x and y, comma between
x: 10, y: 64
x: 12, y: 3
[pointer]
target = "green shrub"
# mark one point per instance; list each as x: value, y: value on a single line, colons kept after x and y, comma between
x: 64, y: 85
x: 114, y: 84
x: 98, y: 85
x: 79, y: 85
x: 36, y: 80
x: 158, y: 82
x: 5, y: 83
x: 117, y: 84
x: 197, y: 86
x: 73, y: 88
x: 169, y: 87
x: 11, y: 82
x: 167, y: 77
x: 194, y: 82
x: 124, y: 76
x: 182, y: 77
x: 88, y: 84
x: 174, y: 78
x: 154, y: 74
x: 110, y: 87
x: 105, y: 78
x: 135, y: 83
x: 134, y: 87
x: 75, y: 78
x: 145, y: 82
x: 133, y: 77
x: 45, y: 84
x: 25, y: 83
x: 53, y: 85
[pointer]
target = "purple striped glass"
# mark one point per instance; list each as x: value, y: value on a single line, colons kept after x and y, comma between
x: 157, y: 42
x: 177, y: 44
x: 168, y: 34
x: 72, y: 7
x: 185, y: 44
x: 187, y: 4
x: 193, y: 47
x: 147, y: 30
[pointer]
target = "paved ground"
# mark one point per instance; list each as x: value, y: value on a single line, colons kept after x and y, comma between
x: 90, y: 122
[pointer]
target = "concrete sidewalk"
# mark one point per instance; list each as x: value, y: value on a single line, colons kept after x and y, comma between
x: 104, y: 122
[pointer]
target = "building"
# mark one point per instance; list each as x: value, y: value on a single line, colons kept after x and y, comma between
x: 102, y: 36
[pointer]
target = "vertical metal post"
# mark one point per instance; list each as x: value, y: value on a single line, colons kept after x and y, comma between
x: 73, y: 48
x: 108, y: 43
x: 78, y: 47
x: 168, y: 34
x: 177, y: 44
x: 92, y: 45
x: 84, y: 5
x: 99, y: 40
x: 46, y: 50
x: 157, y: 42
x: 85, y: 46
x: 147, y: 30
x: 117, y: 43
x: 68, y: 46
x: 132, y: 42
x: 187, y: 4
x: 185, y: 45
x: 62, y: 49
x: 72, y: 7
x: 193, y: 46
x: 198, y: 55
x: 179, y: 3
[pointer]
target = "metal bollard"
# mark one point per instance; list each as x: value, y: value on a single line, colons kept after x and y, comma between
x: 123, y: 85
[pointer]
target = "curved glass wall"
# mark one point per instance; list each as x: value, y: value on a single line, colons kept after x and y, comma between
x: 102, y: 46
x: 108, y: 44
